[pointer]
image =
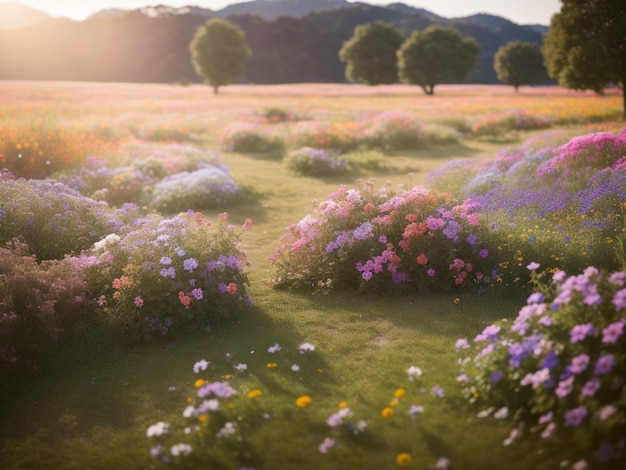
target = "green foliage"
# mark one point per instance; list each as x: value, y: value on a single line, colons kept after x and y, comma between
x: 219, y: 52
x: 393, y: 130
x: 250, y: 138
x: 178, y: 273
x: 370, y: 54
x: 436, y: 55
x: 558, y: 372
x: 585, y: 47
x: 519, y: 63
x: 38, y: 302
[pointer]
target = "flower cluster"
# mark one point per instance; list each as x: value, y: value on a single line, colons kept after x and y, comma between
x: 225, y: 414
x: 560, y: 367
x: 309, y: 161
x: 180, y: 271
x: 379, y: 239
x: 515, y: 120
x: 392, y: 130
x: 250, y: 138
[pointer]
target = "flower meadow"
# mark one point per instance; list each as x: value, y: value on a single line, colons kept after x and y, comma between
x: 557, y: 371
x: 226, y: 414
x: 411, y: 322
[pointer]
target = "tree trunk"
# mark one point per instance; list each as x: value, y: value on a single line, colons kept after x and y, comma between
x: 429, y: 89
x: 215, y: 89
x: 624, y: 97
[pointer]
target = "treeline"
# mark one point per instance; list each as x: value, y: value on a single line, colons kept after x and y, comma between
x: 139, y: 48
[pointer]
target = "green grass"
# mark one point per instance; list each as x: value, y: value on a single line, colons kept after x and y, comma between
x: 91, y: 404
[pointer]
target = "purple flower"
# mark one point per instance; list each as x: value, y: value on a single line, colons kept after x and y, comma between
x: 382, y: 239
x: 490, y: 333
x: 197, y: 293
x: 550, y: 362
x: 431, y: 272
x: 611, y: 333
x: 533, y: 266
x: 579, y: 363
x: 437, y: 391
x: 574, y: 417
x: 484, y: 253
x: 605, y: 364
x: 619, y: 299
x: 590, y: 388
x: 166, y: 260
x: 168, y: 272
x: 472, y: 239
x: 461, y: 343
x: 579, y: 332
x: 537, y: 378
x: 219, y: 389
x: 565, y: 387
x: 190, y: 264
x: 536, y: 298
x: 497, y: 376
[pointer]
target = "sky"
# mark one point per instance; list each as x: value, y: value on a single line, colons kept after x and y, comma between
x: 518, y: 11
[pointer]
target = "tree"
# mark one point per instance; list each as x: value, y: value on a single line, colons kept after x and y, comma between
x: 370, y: 55
x: 436, y: 55
x: 585, y: 47
x: 519, y: 63
x: 219, y: 52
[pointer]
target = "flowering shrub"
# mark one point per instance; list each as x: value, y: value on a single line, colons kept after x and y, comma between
x: 392, y: 130
x: 167, y: 133
x: 516, y: 120
x: 308, y: 161
x: 38, y: 150
x: 38, y: 302
x: 413, y: 240
x: 560, y: 367
x: 248, y: 138
x: 275, y: 114
x: 53, y: 219
x: 209, y: 186
x: 336, y: 136
x: 184, y: 271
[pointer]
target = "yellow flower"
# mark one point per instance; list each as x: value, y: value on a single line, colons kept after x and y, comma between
x: 343, y: 405
x: 272, y: 365
x: 404, y: 459
x: 399, y: 393
x: 387, y: 412
x: 254, y: 393
x: 303, y: 401
x: 202, y: 418
x: 228, y: 376
x: 198, y: 383
x: 230, y: 405
x: 394, y: 402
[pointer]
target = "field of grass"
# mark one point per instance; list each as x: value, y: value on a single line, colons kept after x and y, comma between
x: 91, y: 402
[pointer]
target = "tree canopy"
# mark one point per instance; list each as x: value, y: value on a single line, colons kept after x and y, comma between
x: 585, y: 48
x: 438, y: 54
x: 219, y: 52
x: 370, y: 54
x: 519, y: 63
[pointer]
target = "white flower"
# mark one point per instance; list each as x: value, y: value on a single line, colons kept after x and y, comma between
x: 159, y: 429
x: 228, y: 429
x: 306, y: 347
x: 273, y: 349
x: 295, y: 367
x: 110, y: 240
x: 414, y: 372
x: 181, y: 449
x: 200, y: 365
x: 442, y: 464
x: 241, y: 367
x: 501, y: 413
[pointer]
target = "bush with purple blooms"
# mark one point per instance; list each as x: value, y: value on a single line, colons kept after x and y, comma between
x: 209, y: 186
x: 558, y: 371
x: 164, y: 274
x: 412, y: 240
x: 309, y: 161
x: 53, y: 219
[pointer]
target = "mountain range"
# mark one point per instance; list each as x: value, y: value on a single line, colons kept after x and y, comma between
x: 291, y: 40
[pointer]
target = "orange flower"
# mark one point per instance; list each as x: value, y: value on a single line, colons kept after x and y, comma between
x: 404, y: 459
x: 387, y: 412
x: 303, y: 401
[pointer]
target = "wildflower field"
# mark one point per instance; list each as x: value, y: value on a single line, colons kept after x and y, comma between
x: 311, y: 276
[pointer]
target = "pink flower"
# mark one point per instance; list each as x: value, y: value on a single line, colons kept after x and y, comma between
x: 231, y: 288
x: 611, y: 333
x: 247, y: 225
x: 138, y: 302
x: 223, y: 216
x: 184, y: 299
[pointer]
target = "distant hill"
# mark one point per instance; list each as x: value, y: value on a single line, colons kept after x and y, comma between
x: 15, y: 15
x: 151, y: 44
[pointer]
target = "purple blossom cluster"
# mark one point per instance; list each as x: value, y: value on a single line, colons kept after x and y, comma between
x: 561, y: 364
x: 310, y: 161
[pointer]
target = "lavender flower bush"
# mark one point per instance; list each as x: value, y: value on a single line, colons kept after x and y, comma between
x: 309, y: 161
x: 168, y: 273
x: 209, y: 186
x: 382, y: 240
x: 53, y: 219
x: 559, y: 370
